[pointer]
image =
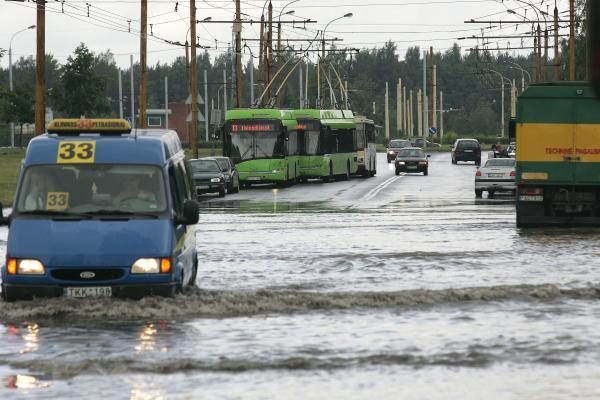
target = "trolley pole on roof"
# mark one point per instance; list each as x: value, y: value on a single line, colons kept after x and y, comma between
x: 572, y: 40
x: 143, y: 72
x: 193, y: 82
x: 40, y: 61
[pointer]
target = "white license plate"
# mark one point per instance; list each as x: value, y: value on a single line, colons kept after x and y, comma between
x: 201, y: 187
x: 468, y: 151
x: 411, y: 167
x: 254, y: 178
x: 88, y: 291
x: 495, y: 175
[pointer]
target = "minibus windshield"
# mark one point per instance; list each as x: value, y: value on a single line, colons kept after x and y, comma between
x: 92, y: 188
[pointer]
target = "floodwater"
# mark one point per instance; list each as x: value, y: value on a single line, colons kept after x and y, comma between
x: 394, y: 287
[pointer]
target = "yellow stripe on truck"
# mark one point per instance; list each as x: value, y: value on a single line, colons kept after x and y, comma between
x: 558, y: 142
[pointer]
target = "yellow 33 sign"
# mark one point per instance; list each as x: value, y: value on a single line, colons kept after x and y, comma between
x: 76, y: 152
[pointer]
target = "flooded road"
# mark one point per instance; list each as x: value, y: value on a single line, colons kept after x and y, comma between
x: 384, y: 288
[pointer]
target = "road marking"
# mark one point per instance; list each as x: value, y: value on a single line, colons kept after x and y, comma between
x: 375, y: 191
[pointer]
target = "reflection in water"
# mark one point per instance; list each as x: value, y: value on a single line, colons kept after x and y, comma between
x: 24, y: 382
x: 141, y: 391
x: 147, y: 338
x: 31, y: 338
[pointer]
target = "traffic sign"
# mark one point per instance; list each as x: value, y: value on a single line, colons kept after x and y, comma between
x: 433, y: 131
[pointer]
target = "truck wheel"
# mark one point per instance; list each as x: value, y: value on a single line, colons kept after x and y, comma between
x: 397, y: 171
x: 222, y: 193
x: 426, y: 172
x: 491, y: 193
x: 478, y: 192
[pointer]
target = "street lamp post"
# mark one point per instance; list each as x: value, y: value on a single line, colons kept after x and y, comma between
x: 348, y: 15
x: 10, y: 79
x: 503, y: 79
x: 522, y: 76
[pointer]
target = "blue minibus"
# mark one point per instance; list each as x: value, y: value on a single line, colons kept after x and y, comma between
x: 101, y: 210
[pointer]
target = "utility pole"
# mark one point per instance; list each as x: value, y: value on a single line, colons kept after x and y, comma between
x: 534, y: 58
x: 251, y: 82
x: 301, y: 90
x: 540, y: 60
x: 441, y: 117
x: 434, y: 102
x: 502, y: 113
x: 260, y: 51
x: 546, y: 75
x: 556, y: 59
x: 40, y: 65
x: 206, y: 104
x: 166, y: 102
x: 513, y: 100
x: 572, y: 40
x: 193, y: 81
x: 411, y: 122
x: 387, y: 112
x: 399, y: 107
x: 143, y: 72
x: 224, y: 91
x: 424, y: 100
x: 420, y: 112
x: 405, y: 114
x: 132, y: 93
x: 431, y: 89
x: 270, y: 47
x: 237, y: 28
x: 120, y: 94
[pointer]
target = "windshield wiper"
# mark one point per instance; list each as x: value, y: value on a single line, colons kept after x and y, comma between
x: 110, y: 212
x: 55, y: 213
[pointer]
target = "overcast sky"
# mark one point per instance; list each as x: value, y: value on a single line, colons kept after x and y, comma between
x: 436, y: 23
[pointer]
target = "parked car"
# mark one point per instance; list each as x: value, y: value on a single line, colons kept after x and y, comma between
x: 466, y: 150
x: 512, y: 150
x: 412, y: 159
x: 498, y: 174
x: 208, y: 177
x: 394, y: 146
x: 232, y: 178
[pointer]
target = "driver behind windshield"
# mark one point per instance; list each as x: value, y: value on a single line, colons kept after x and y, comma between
x: 133, y: 188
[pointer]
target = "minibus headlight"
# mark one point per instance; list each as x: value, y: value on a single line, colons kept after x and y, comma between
x: 401, y: 163
x: 24, y: 267
x: 215, y: 180
x: 146, y: 266
x: 151, y: 266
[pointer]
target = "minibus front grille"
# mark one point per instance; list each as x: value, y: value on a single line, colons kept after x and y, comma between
x: 87, y: 275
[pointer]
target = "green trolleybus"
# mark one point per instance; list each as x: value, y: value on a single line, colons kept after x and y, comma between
x: 328, y: 147
x: 263, y: 143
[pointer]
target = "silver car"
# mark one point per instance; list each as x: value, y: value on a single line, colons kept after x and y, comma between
x: 498, y: 174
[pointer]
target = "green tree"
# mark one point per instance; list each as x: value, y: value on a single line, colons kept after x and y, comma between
x: 80, y: 90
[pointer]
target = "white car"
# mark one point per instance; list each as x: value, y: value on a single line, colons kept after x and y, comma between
x: 498, y: 174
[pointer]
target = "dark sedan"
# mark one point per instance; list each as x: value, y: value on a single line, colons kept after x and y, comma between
x: 208, y: 177
x: 412, y: 159
x: 394, y: 147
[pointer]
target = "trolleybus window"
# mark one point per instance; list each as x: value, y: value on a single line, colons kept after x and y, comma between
x: 312, y: 134
x: 256, y: 139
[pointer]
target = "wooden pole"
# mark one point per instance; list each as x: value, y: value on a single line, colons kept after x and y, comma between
x: 143, y: 123
x: 193, y: 82
x: 238, y: 54
x: 40, y: 65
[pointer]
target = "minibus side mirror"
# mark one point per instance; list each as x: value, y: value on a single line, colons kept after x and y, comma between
x: 3, y: 220
x: 191, y: 211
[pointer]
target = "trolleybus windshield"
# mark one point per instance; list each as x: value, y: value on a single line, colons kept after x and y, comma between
x: 256, y: 139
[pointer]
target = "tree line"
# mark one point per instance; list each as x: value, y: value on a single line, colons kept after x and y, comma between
x: 87, y: 83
